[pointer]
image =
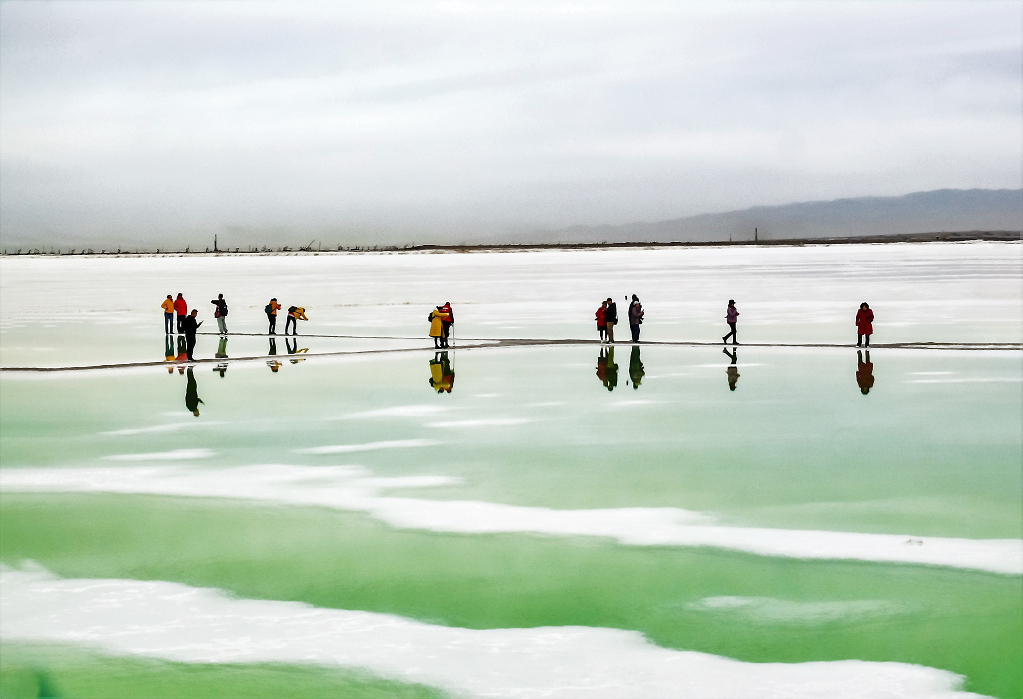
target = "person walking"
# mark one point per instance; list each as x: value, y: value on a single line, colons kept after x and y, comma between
x: 635, y: 317
x: 611, y: 318
x: 731, y: 317
x: 220, y: 313
x: 436, y: 319
x: 271, y: 315
x: 190, y: 326
x: 181, y: 308
x: 168, y: 315
x: 864, y: 327
x: 602, y: 321
x: 295, y: 314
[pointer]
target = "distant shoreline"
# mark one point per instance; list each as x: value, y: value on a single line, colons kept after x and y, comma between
x: 957, y: 237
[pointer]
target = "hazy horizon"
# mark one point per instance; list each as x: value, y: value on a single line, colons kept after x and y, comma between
x: 389, y: 123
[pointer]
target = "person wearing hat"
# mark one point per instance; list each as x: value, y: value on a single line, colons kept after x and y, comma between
x: 731, y: 317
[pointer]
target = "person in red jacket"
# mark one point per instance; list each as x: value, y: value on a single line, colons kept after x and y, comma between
x: 445, y: 325
x: 181, y: 308
x: 602, y: 321
x: 864, y: 318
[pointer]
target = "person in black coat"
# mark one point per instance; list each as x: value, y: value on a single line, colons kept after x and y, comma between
x: 190, y: 326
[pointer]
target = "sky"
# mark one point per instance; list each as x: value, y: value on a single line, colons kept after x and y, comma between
x: 153, y: 123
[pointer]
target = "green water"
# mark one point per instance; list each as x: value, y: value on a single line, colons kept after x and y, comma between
x: 963, y: 621
x: 932, y: 449
x: 31, y: 671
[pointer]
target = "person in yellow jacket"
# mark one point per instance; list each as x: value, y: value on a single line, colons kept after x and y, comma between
x: 437, y: 318
x: 295, y: 314
x: 168, y: 315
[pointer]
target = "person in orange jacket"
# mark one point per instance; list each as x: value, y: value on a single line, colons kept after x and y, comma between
x: 182, y: 310
x: 168, y: 315
x: 271, y: 316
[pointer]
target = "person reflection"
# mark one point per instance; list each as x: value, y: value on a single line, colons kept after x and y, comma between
x: 293, y: 349
x: 864, y: 372
x: 636, y: 371
x: 442, y: 376
x: 607, y: 370
x: 221, y: 354
x: 733, y: 371
x: 192, y: 399
x: 168, y: 352
x: 273, y: 363
x: 182, y: 353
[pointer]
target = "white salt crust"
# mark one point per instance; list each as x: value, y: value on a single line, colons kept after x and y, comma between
x: 179, y: 623
x: 353, y: 489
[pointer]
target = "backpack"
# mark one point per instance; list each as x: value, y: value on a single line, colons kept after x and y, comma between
x: 269, y: 309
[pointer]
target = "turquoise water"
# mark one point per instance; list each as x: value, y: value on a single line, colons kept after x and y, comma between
x: 794, y: 510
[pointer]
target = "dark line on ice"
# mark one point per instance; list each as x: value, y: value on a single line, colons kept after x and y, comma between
x: 484, y: 343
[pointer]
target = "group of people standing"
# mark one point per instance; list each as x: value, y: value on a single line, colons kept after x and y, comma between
x: 607, y: 319
x: 188, y: 323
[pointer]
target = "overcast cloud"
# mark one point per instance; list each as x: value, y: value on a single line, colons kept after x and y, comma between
x: 274, y: 123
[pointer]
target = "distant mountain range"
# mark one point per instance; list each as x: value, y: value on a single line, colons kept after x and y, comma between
x: 942, y: 210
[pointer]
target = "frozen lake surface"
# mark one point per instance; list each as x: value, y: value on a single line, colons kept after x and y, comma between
x: 504, y: 520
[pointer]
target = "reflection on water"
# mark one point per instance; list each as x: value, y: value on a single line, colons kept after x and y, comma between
x: 293, y: 349
x: 733, y: 371
x: 168, y: 352
x: 273, y: 363
x: 607, y: 370
x: 636, y: 371
x: 222, y: 354
x: 192, y: 399
x: 182, y: 352
x: 442, y: 375
x: 864, y: 372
